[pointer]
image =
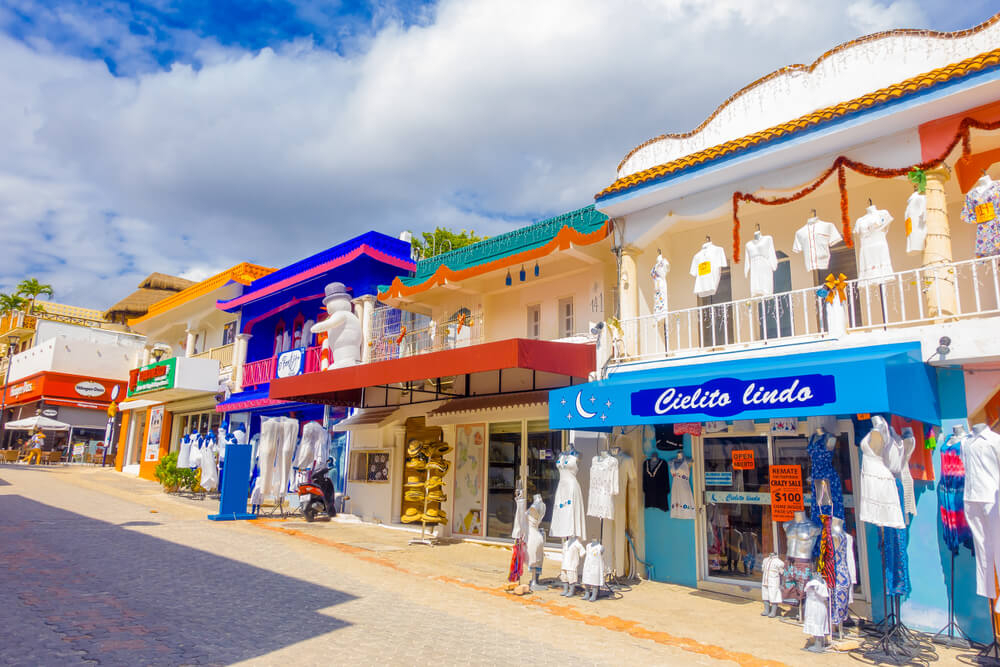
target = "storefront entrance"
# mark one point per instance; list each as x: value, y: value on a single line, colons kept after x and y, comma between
x: 736, y: 531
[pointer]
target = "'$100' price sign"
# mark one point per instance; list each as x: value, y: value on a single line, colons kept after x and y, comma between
x: 786, y: 492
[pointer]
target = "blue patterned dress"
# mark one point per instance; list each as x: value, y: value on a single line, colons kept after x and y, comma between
x: 983, y: 203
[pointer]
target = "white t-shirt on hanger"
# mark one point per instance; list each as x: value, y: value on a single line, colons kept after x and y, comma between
x: 815, y: 239
x: 916, y: 222
x: 760, y: 264
x: 706, y: 268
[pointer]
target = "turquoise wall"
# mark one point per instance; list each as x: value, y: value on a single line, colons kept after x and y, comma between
x: 670, y: 543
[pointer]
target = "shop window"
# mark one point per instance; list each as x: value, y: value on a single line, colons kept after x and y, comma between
x: 369, y: 466
x: 534, y: 321
x: 503, y: 469
x: 567, y: 325
x: 136, y: 439
x: 717, y: 321
x: 775, y: 314
x: 543, y: 448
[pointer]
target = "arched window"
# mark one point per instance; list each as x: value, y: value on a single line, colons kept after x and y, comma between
x: 279, y: 337
x: 297, y: 327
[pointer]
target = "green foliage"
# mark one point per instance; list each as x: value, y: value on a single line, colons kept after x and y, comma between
x: 11, y: 302
x: 443, y: 240
x: 32, y: 289
x: 172, y: 478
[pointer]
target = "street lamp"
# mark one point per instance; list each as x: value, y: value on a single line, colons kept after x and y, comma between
x: 12, y: 341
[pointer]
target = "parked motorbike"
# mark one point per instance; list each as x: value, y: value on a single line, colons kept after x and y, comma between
x: 317, y: 496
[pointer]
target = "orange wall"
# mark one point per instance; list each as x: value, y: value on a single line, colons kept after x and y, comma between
x: 146, y: 468
x: 122, y: 439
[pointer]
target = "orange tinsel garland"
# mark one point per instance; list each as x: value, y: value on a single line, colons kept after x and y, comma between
x: 841, y: 164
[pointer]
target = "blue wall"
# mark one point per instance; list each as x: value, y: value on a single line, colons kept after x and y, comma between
x: 670, y: 543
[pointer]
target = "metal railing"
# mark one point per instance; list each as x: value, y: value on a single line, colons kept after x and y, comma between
x: 397, y: 333
x: 223, y: 354
x: 259, y: 372
x: 944, y: 292
x: 17, y: 321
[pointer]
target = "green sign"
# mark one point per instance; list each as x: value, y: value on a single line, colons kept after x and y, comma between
x: 153, y: 377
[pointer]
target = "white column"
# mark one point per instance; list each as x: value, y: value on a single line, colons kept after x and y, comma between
x: 147, y: 352
x: 192, y: 337
x: 364, y: 308
x: 939, y: 282
x: 398, y: 435
x: 239, y: 359
x: 628, y: 294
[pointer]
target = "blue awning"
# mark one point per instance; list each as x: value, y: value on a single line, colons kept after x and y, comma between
x: 889, y: 379
x: 259, y: 401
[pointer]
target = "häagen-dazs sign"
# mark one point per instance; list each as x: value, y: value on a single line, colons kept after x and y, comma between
x: 724, y: 397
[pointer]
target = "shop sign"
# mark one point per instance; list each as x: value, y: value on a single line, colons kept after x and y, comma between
x: 743, y: 459
x: 738, y: 497
x: 23, y: 388
x: 51, y: 413
x: 291, y: 363
x: 155, y: 430
x: 89, y: 389
x: 719, y: 478
x: 691, y: 428
x: 725, y: 397
x: 154, y: 377
x: 78, y: 449
x: 786, y: 492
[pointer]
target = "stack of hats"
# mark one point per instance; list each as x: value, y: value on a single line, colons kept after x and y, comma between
x: 424, y: 492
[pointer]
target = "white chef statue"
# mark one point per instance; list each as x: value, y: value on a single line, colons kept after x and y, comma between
x: 342, y: 346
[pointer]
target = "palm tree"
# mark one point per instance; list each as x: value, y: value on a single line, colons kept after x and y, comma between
x: 31, y: 288
x: 11, y: 302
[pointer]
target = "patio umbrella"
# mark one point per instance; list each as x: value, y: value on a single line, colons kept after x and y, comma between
x: 36, y: 422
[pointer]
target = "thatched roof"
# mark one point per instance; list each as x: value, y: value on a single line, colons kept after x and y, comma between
x: 155, y: 287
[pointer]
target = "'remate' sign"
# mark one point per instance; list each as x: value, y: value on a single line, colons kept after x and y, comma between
x: 786, y: 492
x: 743, y: 459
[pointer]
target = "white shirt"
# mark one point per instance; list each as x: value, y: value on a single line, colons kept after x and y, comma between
x: 761, y: 263
x: 815, y: 239
x: 603, y: 486
x: 981, y: 458
x: 573, y: 551
x: 916, y: 222
x: 706, y: 268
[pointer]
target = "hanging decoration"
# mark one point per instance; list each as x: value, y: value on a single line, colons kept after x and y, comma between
x: 842, y: 163
x: 463, y: 320
x: 919, y: 178
x: 537, y: 270
x: 523, y: 275
x: 508, y: 281
x: 402, y: 335
x: 836, y: 286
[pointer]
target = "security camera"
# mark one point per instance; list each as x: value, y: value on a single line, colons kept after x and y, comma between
x: 597, y: 328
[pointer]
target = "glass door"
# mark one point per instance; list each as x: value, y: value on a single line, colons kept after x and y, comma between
x: 502, y: 471
x: 542, y: 475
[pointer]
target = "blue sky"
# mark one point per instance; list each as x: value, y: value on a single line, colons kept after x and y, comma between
x: 187, y: 136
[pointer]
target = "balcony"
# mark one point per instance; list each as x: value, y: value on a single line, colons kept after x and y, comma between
x: 17, y: 323
x: 223, y: 354
x: 966, y: 289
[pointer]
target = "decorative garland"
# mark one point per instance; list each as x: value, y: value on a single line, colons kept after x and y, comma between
x: 842, y: 163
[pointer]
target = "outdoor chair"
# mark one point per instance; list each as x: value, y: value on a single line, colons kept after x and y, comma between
x: 10, y: 456
x: 54, y: 457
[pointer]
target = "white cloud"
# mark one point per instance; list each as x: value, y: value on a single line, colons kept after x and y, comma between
x: 496, y: 112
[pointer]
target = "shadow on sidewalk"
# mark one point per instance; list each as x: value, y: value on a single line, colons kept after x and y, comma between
x: 72, y: 588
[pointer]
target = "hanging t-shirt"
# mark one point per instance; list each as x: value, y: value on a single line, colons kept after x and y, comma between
x: 915, y: 219
x: 761, y: 263
x: 815, y: 240
x: 706, y: 268
x: 982, y: 208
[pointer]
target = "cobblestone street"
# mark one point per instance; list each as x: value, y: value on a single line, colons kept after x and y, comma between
x: 98, y: 568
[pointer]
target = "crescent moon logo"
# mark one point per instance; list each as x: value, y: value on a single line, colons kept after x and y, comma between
x: 579, y: 407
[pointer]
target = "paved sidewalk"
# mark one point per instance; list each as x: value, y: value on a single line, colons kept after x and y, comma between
x: 100, y: 566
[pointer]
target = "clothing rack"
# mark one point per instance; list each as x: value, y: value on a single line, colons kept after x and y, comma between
x: 989, y: 654
x: 947, y: 635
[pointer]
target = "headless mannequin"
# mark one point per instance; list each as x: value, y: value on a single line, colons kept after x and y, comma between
x: 840, y: 537
x: 801, y: 534
x: 590, y: 591
x: 536, y: 542
x: 626, y: 504
x: 818, y: 644
x: 569, y: 544
x: 772, y: 568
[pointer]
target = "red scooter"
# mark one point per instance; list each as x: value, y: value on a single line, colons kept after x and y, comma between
x: 316, y: 497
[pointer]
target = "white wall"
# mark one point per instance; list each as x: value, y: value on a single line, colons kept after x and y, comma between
x: 48, y: 329
x: 78, y: 357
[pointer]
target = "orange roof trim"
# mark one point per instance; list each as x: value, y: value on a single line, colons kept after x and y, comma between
x: 566, y: 237
x: 243, y: 274
x: 895, y: 91
x: 874, y: 37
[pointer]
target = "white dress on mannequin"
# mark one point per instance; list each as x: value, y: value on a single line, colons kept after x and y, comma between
x: 916, y: 222
x: 209, y: 468
x: 659, y: 273
x: 184, y: 455
x: 312, y: 448
x: 266, y: 451
x: 816, y: 621
x: 706, y: 269
x: 874, y: 260
x: 681, y: 496
x: 879, y: 503
x: 760, y: 265
x: 536, y: 541
x: 289, y: 435
x: 603, y: 486
x: 593, y: 565
x: 770, y: 579
x: 568, y: 514
x: 980, y: 455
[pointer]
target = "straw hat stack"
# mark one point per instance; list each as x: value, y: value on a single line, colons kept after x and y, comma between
x: 423, y: 491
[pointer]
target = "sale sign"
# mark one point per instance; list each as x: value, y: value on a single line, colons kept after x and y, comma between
x: 743, y: 459
x: 786, y: 492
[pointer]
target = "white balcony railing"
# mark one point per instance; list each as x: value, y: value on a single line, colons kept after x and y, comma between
x: 223, y: 354
x: 966, y: 289
x: 396, y: 333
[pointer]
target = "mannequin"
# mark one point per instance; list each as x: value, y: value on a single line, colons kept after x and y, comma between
x: 568, y: 519
x: 288, y: 433
x: 816, y: 621
x: 981, y: 458
x: 760, y: 265
x: 706, y: 268
x: 536, y: 542
x: 313, y: 446
x: 874, y: 260
x: 827, y: 489
x: 603, y: 486
x: 184, y: 455
x: 656, y: 482
x: 661, y: 267
x: 982, y: 208
x: 593, y: 570
x: 846, y: 572
x: 572, y: 551
x: 681, y: 497
x: 951, y: 492
x: 209, y: 469
x: 801, y: 534
x: 626, y: 505
x: 519, y: 534
x: 267, y: 449
x: 916, y: 222
x: 879, y: 503
x: 770, y: 584
x: 814, y: 239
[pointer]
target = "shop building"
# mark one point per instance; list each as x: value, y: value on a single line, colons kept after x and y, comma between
x: 745, y: 325
x: 463, y: 351
x: 276, y: 314
x: 189, y: 358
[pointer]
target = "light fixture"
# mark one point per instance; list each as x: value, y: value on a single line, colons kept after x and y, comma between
x: 944, y: 346
x: 537, y: 270
x: 523, y: 274
x: 508, y: 281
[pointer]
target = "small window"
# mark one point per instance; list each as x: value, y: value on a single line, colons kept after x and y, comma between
x: 534, y: 321
x: 567, y: 327
x: 229, y: 333
x: 369, y: 466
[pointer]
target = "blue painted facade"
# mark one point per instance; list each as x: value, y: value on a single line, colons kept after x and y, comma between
x: 887, y: 380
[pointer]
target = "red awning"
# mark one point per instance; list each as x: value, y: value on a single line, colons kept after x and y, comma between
x: 342, y: 386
